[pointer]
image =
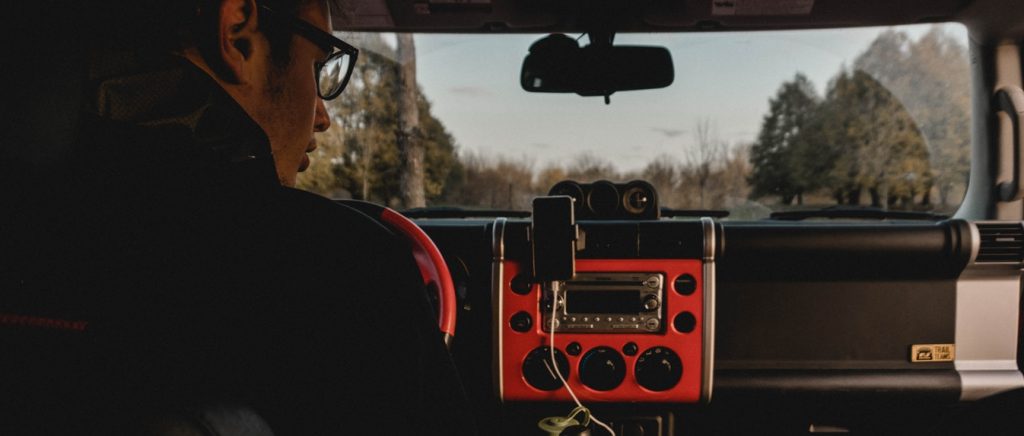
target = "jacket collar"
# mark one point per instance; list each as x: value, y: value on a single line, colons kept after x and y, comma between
x: 177, y: 95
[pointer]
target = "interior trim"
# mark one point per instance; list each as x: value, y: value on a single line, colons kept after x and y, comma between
x: 987, y: 305
x: 709, y: 308
x: 497, y: 304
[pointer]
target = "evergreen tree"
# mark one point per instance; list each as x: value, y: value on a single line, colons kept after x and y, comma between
x: 776, y: 156
x: 878, y: 145
x: 894, y: 127
x: 931, y: 77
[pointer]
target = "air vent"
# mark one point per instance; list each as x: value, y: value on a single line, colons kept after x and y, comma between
x: 1001, y: 242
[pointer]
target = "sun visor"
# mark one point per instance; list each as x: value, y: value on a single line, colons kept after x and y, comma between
x: 444, y: 15
x: 769, y: 14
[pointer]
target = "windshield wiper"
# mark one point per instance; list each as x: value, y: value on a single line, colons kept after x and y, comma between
x: 458, y: 212
x: 713, y: 213
x: 855, y: 212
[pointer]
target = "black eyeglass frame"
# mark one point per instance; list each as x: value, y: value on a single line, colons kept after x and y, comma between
x: 322, y: 39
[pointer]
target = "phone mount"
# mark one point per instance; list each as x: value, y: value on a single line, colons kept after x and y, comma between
x: 553, y: 235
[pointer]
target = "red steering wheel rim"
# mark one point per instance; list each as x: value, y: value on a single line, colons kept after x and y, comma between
x: 431, y: 265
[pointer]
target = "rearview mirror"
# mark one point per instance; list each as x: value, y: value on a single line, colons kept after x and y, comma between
x: 556, y: 63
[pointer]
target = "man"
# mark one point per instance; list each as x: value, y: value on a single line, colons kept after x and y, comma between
x: 278, y: 90
x: 207, y: 287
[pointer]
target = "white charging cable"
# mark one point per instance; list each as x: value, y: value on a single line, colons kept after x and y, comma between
x: 556, y: 289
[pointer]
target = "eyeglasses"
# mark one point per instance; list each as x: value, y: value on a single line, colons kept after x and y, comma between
x: 332, y: 74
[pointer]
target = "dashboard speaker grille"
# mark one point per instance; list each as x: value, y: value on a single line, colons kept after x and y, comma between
x: 1001, y: 242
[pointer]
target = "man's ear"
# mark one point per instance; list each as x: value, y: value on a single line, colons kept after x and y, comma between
x: 236, y: 31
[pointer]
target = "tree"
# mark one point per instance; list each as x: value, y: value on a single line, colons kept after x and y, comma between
x: 663, y: 173
x: 361, y: 149
x: 731, y: 178
x: 498, y: 183
x: 320, y: 176
x: 707, y: 151
x: 408, y: 129
x: 878, y: 145
x: 588, y: 167
x: 548, y: 177
x: 931, y: 77
x: 895, y: 126
x: 774, y: 156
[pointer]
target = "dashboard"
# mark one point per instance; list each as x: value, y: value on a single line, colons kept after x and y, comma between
x: 680, y: 320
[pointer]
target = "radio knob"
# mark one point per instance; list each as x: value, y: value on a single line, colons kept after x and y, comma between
x: 538, y: 372
x: 602, y: 369
x: 658, y: 369
x: 651, y: 303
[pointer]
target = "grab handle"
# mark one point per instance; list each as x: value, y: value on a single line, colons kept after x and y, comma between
x: 1010, y: 99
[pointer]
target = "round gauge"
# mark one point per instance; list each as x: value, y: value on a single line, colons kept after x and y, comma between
x: 570, y: 188
x: 659, y: 369
x: 538, y: 372
x: 603, y: 198
x: 638, y: 198
x: 635, y: 200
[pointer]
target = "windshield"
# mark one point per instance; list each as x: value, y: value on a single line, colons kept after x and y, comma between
x: 754, y: 122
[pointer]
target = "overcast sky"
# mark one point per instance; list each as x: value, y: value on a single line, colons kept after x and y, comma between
x: 727, y: 78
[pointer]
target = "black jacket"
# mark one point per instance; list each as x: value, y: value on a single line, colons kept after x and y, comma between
x: 203, y: 280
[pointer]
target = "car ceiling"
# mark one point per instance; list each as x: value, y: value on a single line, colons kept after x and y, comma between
x: 986, y: 18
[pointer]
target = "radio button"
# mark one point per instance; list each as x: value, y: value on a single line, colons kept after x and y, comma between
x: 652, y: 323
x: 630, y: 349
x: 653, y: 282
x: 651, y: 303
x: 574, y: 349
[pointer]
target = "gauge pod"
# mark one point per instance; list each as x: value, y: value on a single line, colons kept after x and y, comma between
x: 605, y: 200
x: 570, y: 188
x: 639, y: 199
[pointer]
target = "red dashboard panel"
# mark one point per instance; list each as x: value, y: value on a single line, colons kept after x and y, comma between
x: 515, y: 346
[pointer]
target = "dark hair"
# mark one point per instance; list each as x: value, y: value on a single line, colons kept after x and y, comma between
x: 150, y: 30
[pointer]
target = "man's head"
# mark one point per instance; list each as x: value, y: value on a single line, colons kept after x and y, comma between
x: 268, y: 70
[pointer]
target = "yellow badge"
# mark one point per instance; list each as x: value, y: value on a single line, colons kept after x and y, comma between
x: 932, y: 353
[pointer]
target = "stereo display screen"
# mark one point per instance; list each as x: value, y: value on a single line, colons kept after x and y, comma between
x: 603, y: 302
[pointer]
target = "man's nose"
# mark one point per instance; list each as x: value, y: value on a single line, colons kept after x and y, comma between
x: 321, y: 120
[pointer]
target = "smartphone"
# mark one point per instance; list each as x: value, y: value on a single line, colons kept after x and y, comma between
x: 553, y: 238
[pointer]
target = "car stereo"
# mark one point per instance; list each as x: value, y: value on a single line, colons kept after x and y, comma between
x: 606, y: 302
